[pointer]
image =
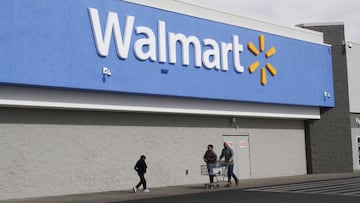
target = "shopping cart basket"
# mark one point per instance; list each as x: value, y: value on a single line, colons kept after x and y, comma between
x: 218, y: 170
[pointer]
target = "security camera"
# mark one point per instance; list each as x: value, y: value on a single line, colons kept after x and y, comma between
x: 327, y: 94
x: 347, y: 43
x: 106, y: 71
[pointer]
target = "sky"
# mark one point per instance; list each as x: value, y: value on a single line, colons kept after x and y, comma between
x: 290, y: 13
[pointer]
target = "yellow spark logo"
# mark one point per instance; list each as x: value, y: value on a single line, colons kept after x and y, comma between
x: 256, y: 64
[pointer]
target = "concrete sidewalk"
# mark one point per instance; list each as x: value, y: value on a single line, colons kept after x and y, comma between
x: 116, y: 196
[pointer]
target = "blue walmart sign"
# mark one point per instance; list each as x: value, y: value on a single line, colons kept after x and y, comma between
x: 127, y: 48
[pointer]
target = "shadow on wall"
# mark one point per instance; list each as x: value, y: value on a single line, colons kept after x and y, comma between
x: 75, y: 117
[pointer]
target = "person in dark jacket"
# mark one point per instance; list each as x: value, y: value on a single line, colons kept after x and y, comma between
x: 228, y: 155
x: 140, y: 168
x: 210, y: 159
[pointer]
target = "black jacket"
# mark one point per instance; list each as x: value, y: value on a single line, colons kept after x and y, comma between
x: 140, y: 166
x: 210, y: 157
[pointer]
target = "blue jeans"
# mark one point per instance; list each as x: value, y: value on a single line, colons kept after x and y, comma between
x: 231, y: 173
x: 210, y: 167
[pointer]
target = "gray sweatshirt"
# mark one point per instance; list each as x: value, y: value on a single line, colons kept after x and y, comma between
x: 228, y: 153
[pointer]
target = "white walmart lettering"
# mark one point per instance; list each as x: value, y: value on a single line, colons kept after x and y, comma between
x: 207, y: 53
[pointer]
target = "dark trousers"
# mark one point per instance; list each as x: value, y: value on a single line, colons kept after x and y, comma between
x: 142, y: 181
x: 231, y: 173
x: 211, y: 178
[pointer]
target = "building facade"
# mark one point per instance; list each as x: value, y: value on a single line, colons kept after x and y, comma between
x: 89, y: 86
x: 329, y: 139
x: 333, y: 141
x: 352, y: 51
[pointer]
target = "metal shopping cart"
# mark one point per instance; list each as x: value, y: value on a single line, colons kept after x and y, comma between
x: 218, y: 170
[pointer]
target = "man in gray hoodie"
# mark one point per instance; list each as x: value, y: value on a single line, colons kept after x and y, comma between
x: 228, y: 154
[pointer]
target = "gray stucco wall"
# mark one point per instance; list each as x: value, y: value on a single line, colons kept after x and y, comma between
x: 329, y: 147
x: 57, y: 152
x: 353, y: 59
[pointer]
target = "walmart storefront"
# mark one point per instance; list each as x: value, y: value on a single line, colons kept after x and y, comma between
x: 88, y: 86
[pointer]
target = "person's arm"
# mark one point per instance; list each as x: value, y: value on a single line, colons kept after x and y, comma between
x: 205, y: 157
x: 231, y: 159
x: 136, y: 167
x: 221, y: 155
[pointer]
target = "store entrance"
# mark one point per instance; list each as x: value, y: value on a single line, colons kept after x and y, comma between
x: 241, y: 146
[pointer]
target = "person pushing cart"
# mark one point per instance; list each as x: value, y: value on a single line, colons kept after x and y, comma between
x: 228, y: 154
